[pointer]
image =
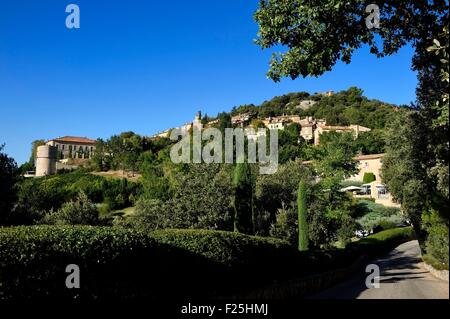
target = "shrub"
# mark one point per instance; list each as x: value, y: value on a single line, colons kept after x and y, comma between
x: 368, y: 178
x: 388, y: 224
x: 243, y: 199
x: 281, y: 187
x: 342, y: 224
x: 286, y: 225
x: 39, y: 195
x: 375, y: 217
x: 435, y: 263
x: 151, y: 214
x: 383, y: 240
x: 80, y: 211
x: 8, y: 177
x: 302, y: 223
x: 366, y: 206
x: 389, y: 235
x: 226, y: 248
x: 436, y: 243
x: 33, y: 261
x: 124, y: 263
x: 202, y: 200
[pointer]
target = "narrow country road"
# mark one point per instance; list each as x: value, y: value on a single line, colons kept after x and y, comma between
x: 401, y: 277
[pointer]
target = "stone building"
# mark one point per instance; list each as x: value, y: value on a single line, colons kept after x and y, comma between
x: 242, y: 119
x: 73, y: 147
x: 377, y: 190
x: 45, y: 160
x: 354, y: 129
x: 368, y: 164
x: 309, y: 126
x: 185, y: 128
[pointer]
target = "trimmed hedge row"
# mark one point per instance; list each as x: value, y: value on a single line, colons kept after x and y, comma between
x: 122, y: 263
x: 382, y: 240
x: 226, y: 248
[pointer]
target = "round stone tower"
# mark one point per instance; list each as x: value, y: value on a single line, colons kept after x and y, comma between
x: 197, y: 123
x: 46, y: 160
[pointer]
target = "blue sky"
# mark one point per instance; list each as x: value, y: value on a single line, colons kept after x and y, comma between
x: 149, y: 65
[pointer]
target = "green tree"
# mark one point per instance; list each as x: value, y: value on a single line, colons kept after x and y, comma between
x: 352, y: 107
x: 437, y: 239
x: 275, y: 191
x: 132, y: 149
x: 243, y: 199
x: 302, y: 221
x: 80, y: 211
x: 203, y: 199
x: 8, y: 178
x: 99, y: 160
x: 290, y: 143
x: 371, y: 142
x: 155, y: 184
x: 319, y: 34
x: 333, y: 160
x: 150, y: 214
x: 286, y: 225
x: 403, y: 171
x: 34, y: 145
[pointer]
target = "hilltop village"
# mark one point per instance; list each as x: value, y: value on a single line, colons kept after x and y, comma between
x: 311, y: 128
x: 70, y: 152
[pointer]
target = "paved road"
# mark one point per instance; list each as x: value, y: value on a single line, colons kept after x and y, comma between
x: 401, y: 278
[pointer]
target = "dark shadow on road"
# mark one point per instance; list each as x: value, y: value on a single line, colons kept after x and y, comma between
x: 386, y: 274
x: 395, y: 267
x: 398, y: 279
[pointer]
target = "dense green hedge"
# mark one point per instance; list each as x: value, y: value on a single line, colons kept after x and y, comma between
x: 226, y: 248
x: 121, y: 263
x: 383, y: 240
x: 116, y: 262
x: 369, y: 177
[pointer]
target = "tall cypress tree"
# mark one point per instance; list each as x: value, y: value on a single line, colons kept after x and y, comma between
x: 243, y: 199
x: 302, y: 223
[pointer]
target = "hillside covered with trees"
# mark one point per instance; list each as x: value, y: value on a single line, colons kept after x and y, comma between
x: 342, y: 108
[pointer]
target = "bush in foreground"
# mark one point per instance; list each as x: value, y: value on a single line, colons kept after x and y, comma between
x: 123, y: 263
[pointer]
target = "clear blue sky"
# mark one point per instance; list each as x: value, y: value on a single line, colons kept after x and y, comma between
x: 149, y: 65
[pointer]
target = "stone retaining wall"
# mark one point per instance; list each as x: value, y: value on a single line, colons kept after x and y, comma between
x: 441, y: 274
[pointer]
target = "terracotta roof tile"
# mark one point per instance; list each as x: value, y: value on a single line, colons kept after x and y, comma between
x: 367, y: 157
x: 74, y: 139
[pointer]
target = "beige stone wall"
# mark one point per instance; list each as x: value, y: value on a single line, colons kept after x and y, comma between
x: 70, y: 149
x: 368, y: 166
x: 307, y: 132
x: 373, y: 164
x: 45, y: 160
x: 383, y: 198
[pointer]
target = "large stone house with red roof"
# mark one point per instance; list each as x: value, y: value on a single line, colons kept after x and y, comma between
x: 73, y: 147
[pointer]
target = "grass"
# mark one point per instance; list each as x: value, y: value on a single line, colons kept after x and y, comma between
x: 119, y: 174
x: 126, y: 211
x: 435, y: 263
